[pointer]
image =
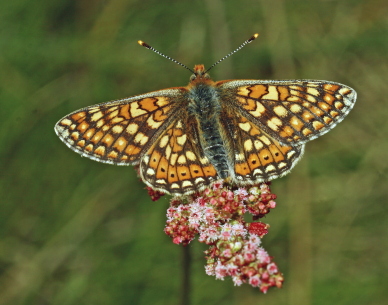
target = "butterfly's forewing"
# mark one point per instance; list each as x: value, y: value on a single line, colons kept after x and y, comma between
x: 176, y: 163
x: 119, y: 132
x: 257, y: 157
x: 294, y: 111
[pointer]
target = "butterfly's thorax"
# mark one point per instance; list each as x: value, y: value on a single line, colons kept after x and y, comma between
x: 205, y: 107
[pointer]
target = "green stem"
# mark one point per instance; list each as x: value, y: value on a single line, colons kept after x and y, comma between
x: 186, y: 283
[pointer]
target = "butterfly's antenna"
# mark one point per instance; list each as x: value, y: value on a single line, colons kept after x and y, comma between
x: 142, y: 43
x: 238, y: 49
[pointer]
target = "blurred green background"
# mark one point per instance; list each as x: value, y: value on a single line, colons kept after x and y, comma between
x: 74, y: 231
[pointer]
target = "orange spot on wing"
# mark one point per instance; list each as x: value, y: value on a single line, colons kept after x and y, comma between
x: 276, y: 153
x: 265, y: 157
x: 79, y: 115
x: 124, y: 111
x: 254, y: 131
x: 196, y: 171
x: 81, y: 143
x: 148, y: 104
x: 242, y: 168
x: 285, y: 149
x: 287, y: 131
x: 331, y: 87
x: 284, y: 93
x: 183, y: 173
x: 112, y: 155
x: 83, y: 126
x: 296, y: 123
x: 154, y: 159
x: 97, y: 137
x: 74, y: 136
x: 327, y: 120
x: 258, y: 91
x: 328, y: 98
x: 159, y: 115
x: 307, y: 116
x: 306, y: 131
x: 254, y: 161
x: 339, y: 105
x: 209, y: 171
x: 172, y: 175
x: 88, y: 134
x: 247, y: 103
x: 100, y: 150
x: 317, y: 111
x: 120, y: 144
x: 107, y: 140
x: 132, y: 150
x: 162, y: 170
x: 334, y: 114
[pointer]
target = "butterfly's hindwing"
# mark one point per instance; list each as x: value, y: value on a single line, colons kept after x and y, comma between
x: 294, y: 111
x: 176, y: 162
x: 257, y: 157
x: 119, y: 132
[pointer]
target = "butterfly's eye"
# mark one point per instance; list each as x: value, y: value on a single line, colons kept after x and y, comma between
x: 199, y: 75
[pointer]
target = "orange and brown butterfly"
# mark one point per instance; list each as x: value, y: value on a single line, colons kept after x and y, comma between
x: 184, y: 138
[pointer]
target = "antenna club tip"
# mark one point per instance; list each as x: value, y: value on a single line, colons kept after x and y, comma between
x: 253, y: 37
x: 143, y: 44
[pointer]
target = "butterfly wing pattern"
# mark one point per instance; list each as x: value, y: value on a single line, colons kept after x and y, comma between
x: 119, y: 132
x: 275, y: 119
x: 184, y: 138
x: 176, y: 162
x: 293, y: 111
x: 257, y: 156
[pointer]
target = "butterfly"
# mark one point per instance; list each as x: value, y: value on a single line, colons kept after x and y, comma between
x: 184, y: 138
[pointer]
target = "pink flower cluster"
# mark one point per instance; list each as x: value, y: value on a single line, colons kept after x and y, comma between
x: 260, y: 200
x: 217, y: 216
x: 155, y: 195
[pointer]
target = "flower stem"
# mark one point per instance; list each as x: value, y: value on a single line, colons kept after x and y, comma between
x: 186, y: 280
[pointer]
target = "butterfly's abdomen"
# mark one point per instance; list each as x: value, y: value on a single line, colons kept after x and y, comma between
x: 205, y: 107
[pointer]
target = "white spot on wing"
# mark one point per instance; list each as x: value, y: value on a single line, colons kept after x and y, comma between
x: 272, y: 94
x: 186, y: 183
x: 280, y: 111
x: 150, y: 172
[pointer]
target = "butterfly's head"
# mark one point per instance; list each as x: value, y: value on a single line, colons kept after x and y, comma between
x: 199, y: 73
